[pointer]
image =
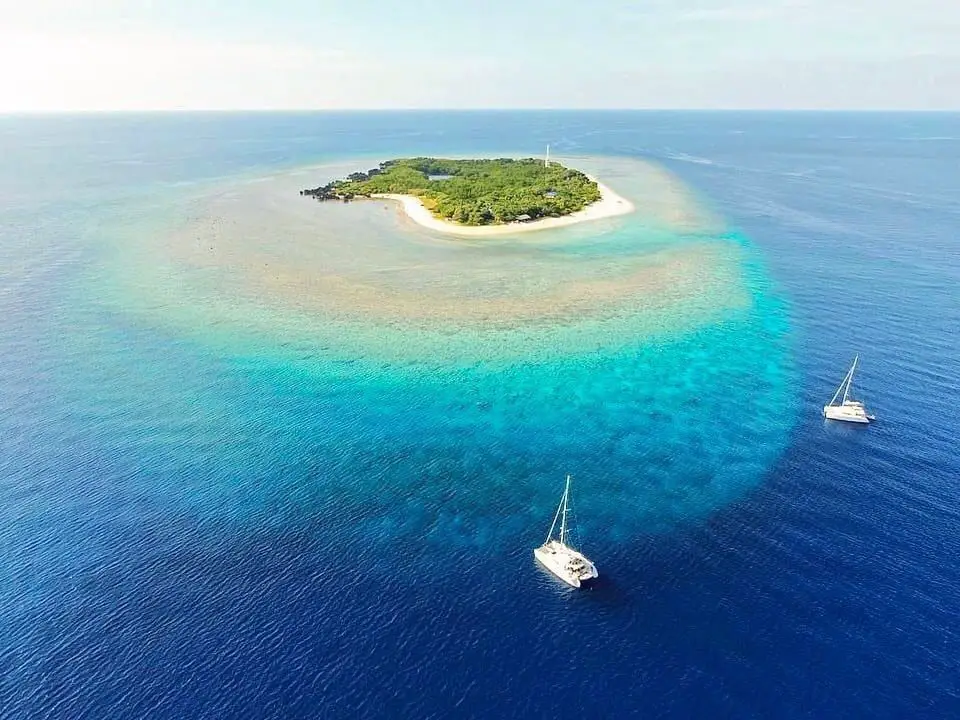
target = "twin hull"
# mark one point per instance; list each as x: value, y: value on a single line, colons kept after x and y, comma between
x: 846, y: 413
x: 566, y: 563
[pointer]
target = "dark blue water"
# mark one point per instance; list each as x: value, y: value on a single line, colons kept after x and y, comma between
x: 196, y: 530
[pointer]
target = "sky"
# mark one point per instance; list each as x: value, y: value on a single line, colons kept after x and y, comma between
x: 103, y: 55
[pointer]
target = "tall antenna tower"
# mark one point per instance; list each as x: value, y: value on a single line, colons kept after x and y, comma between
x: 546, y: 160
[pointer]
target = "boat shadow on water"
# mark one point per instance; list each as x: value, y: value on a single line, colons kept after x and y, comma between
x: 838, y: 428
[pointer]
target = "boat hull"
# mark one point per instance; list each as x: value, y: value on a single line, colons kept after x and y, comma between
x: 849, y: 414
x: 566, y: 563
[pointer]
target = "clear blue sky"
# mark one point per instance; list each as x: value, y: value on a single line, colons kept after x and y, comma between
x: 242, y: 54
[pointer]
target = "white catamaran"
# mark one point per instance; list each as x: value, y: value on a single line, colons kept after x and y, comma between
x: 847, y: 409
x: 559, y: 558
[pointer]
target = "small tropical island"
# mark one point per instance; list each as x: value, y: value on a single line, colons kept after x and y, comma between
x: 486, y: 196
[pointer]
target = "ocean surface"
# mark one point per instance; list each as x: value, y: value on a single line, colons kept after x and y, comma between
x: 262, y: 457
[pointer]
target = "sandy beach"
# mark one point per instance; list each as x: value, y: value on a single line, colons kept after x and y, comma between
x: 610, y: 204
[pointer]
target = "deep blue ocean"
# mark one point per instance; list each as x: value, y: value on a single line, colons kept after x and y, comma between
x: 218, y: 500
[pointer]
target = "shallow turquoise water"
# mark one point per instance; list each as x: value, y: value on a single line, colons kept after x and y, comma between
x: 448, y: 385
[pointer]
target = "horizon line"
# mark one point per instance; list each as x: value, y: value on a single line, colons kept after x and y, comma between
x: 265, y: 111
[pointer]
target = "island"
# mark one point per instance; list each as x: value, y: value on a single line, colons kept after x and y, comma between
x: 481, y: 197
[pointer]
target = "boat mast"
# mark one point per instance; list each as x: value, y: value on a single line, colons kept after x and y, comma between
x: 845, y: 385
x: 563, y: 520
x: 850, y: 376
x: 554, y: 523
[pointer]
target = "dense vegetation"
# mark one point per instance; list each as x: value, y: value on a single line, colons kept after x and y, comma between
x: 473, y: 192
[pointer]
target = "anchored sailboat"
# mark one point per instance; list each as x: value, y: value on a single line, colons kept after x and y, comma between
x: 847, y: 410
x: 559, y: 558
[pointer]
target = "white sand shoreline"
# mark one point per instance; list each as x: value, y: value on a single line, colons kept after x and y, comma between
x: 610, y: 204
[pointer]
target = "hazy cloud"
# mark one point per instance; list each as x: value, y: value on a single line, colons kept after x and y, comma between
x: 120, y: 54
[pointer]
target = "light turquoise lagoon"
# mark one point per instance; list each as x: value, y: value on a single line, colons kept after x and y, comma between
x: 452, y: 383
